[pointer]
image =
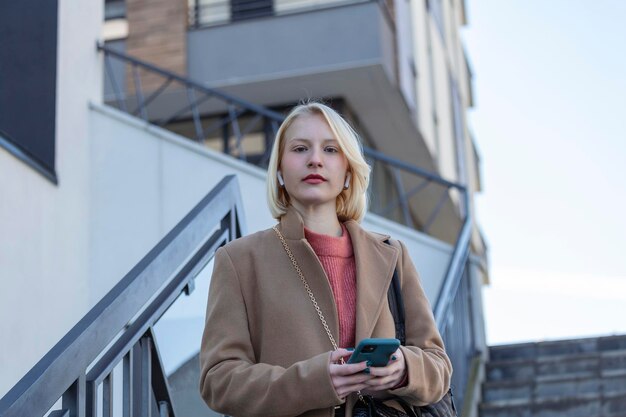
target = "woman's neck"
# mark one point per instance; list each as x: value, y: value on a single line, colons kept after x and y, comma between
x: 321, y: 220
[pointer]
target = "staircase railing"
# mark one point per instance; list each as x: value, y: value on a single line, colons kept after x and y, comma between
x: 235, y: 118
x: 78, y: 370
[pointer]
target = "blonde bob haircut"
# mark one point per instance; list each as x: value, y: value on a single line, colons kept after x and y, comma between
x: 351, y: 203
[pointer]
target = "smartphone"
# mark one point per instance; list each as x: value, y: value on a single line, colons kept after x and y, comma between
x: 376, y: 351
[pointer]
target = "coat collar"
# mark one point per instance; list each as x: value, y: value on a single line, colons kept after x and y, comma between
x: 375, y: 262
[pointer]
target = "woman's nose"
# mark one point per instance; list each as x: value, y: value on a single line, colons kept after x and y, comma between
x: 315, y: 159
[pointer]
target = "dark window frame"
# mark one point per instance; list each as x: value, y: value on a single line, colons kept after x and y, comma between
x: 14, y: 148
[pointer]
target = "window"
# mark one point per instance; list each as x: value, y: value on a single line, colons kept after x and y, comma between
x: 248, y: 9
x: 28, y: 62
x: 114, y: 9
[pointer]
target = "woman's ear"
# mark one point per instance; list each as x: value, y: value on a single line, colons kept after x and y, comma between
x: 346, y: 184
x: 281, y: 181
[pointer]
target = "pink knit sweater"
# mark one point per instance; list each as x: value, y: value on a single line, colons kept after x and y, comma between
x: 337, y: 258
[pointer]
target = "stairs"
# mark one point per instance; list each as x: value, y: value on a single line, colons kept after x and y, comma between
x: 567, y: 378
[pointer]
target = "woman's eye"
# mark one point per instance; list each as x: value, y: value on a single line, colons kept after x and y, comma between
x: 299, y: 149
x: 331, y: 149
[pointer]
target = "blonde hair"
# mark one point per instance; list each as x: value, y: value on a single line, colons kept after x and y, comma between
x: 352, y: 202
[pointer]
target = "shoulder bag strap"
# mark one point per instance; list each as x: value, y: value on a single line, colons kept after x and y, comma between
x: 396, y: 305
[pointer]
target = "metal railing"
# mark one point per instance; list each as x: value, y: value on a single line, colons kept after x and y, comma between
x: 204, y: 13
x: 459, y: 336
x: 236, y: 121
x: 246, y: 131
x: 78, y: 370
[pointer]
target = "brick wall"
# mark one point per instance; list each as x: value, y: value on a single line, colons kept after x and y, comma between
x: 157, y: 33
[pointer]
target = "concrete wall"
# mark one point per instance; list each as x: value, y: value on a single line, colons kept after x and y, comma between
x: 44, y: 228
x: 145, y: 180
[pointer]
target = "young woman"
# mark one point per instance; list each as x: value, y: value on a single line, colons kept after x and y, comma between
x: 265, y: 351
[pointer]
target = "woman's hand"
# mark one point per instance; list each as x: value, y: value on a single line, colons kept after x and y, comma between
x: 348, y: 378
x: 389, y: 376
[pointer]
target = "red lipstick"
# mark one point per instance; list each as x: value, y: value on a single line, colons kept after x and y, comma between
x: 314, y: 179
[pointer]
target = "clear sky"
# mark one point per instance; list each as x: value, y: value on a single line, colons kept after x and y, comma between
x: 550, y: 125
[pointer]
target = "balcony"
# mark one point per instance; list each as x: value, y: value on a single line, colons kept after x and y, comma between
x: 278, y: 56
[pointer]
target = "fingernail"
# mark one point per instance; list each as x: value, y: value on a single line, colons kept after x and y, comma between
x: 366, y: 370
x: 393, y: 357
x: 350, y: 349
x: 369, y: 363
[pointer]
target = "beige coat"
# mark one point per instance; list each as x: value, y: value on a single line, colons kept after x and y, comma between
x: 264, y: 350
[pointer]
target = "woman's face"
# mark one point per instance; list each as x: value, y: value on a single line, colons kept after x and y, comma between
x: 312, y: 164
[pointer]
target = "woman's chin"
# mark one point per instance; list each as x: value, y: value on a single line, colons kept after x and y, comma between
x: 313, y: 202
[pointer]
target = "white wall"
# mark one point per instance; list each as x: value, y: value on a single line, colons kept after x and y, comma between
x: 43, y: 227
x: 146, y: 179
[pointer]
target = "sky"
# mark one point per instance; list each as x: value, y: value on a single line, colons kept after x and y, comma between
x: 550, y: 125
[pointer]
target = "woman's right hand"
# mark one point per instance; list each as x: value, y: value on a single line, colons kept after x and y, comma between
x: 347, y: 378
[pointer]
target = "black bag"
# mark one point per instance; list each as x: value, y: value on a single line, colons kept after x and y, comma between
x: 372, y: 407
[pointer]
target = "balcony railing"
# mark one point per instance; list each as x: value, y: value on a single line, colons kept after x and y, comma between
x: 203, y: 13
x: 246, y: 131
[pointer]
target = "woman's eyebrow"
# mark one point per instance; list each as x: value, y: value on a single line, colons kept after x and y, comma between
x: 309, y: 140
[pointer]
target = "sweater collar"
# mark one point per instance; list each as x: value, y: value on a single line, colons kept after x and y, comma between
x: 292, y: 228
x: 325, y: 245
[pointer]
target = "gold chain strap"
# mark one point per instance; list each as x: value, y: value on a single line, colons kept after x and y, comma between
x: 311, y: 296
x: 306, y: 286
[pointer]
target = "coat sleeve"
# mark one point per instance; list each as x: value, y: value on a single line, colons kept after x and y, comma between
x: 231, y: 380
x: 428, y: 366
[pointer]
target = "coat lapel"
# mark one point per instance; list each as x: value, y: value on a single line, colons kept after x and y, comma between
x: 375, y: 263
x: 292, y: 228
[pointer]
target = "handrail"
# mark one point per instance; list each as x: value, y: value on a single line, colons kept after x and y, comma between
x: 396, y: 163
x: 151, y: 287
x: 454, y: 272
x: 173, y: 76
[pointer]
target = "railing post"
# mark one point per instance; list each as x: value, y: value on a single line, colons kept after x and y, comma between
x: 107, y: 396
x: 139, y: 94
x: 236, y: 131
x: 135, y: 383
x: 226, y: 139
x: 92, y: 399
x: 74, y: 399
x: 196, y: 114
x: 127, y: 389
x: 404, y: 204
x: 121, y: 104
x: 146, y: 377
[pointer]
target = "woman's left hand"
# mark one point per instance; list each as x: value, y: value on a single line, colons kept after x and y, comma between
x: 389, y: 376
